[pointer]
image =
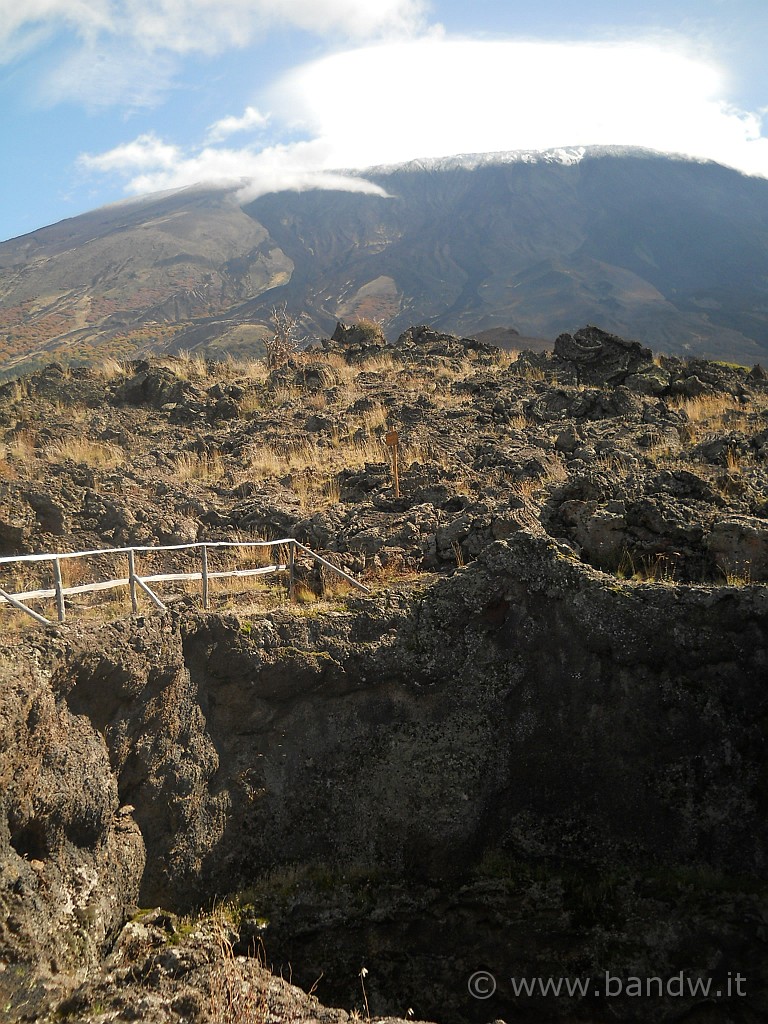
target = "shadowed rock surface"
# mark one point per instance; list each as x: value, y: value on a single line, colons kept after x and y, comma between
x: 519, y: 721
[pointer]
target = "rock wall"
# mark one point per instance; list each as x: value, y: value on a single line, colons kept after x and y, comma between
x: 528, y: 704
x: 71, y: 858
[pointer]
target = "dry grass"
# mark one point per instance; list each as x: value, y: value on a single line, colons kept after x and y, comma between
x: 346, y: 373
x: 236, y: 996
x: 15, y: 625
x: 393, y: 573
x: 251, y: 402
x: 301, y: 456
x: 18, y: 578
x: 612, y: 465
x: 198, y: 466
x: 708, y: 408
x: 105, y: 609
x: 19, y: 391
x: 525, y: 488
x: 253, y: 369
x: 383, y: 362
x: 316, y: 401
x: 308, y: 489
x: 21, y: 447
x: 77, y: 571
x: 284, y: 394
x: 521, y: 422
x: 82, y: 450
x: 738, y: 577
x: 305, y: 595
x: 506, y: 358
x: 346, y: 394
x: 312, y: 471
x: 187, y: 365
x: 357, y: 454
x: 532, y: 373
x: 659, y: 568
x: 332, y: 490
x: 8, y: 469
x: 74, y: 413
x: 420, y: 450
x: 373, y: 420
x: 252, y: 595
x: 689, y: 433
x: 264, y: 461
x: 733, y: 461
x: 110, y: 369
x: 555, y: 472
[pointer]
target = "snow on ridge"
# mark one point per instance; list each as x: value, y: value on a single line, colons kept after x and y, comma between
x: 564, y: 155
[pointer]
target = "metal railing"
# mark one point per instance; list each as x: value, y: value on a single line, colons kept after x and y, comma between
x: 136, y: 581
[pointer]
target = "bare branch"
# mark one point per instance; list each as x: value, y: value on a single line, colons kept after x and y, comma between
x: 285, y: 340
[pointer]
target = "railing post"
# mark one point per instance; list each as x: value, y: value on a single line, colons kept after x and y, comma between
x: 205, y: 577
x: 291, y: 567
x: 59, y: 586
x: 132, y: 580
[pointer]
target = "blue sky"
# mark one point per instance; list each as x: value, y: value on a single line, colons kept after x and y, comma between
x: 102, y: 99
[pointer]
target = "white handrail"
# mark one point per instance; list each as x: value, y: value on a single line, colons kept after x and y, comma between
x: 143, y: 550
x: 134, y: 579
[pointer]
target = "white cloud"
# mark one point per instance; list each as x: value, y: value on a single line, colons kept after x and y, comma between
x: 435, y: 97
x: 250, y: 119
x: 208, y: 26
x: 469, y: 96
x: 88, y: 16
x: 149, y: 165
x: 145, y: 152
x: 127, y: 51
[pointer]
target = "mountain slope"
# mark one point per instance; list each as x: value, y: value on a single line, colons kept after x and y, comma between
x: 669, y: 251
x: 131, y: 271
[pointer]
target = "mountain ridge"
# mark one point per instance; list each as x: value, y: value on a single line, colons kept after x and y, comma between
x: 673, y: 252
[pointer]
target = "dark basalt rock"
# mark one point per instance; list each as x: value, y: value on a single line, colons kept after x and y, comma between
x: 157, y: 386
x: 602, y: 358
x: 430, y: 342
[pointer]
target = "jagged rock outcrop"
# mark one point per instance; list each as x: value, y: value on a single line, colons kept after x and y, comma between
x: 71, y: 854
x: 600, y: 358
x: 357, y: 343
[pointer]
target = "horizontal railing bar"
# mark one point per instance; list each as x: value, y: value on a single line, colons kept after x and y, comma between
x: 244, y: 572
x: 170, y: 577
x: 87, y: 588
x: 5, y: 559
x: 27, y: 595
x: 83, y: 588
x: 90, y: 588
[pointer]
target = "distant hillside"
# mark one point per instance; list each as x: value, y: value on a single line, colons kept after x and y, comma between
x: 671, y: 252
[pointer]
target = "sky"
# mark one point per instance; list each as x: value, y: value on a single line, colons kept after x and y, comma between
x: 101, y: 100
